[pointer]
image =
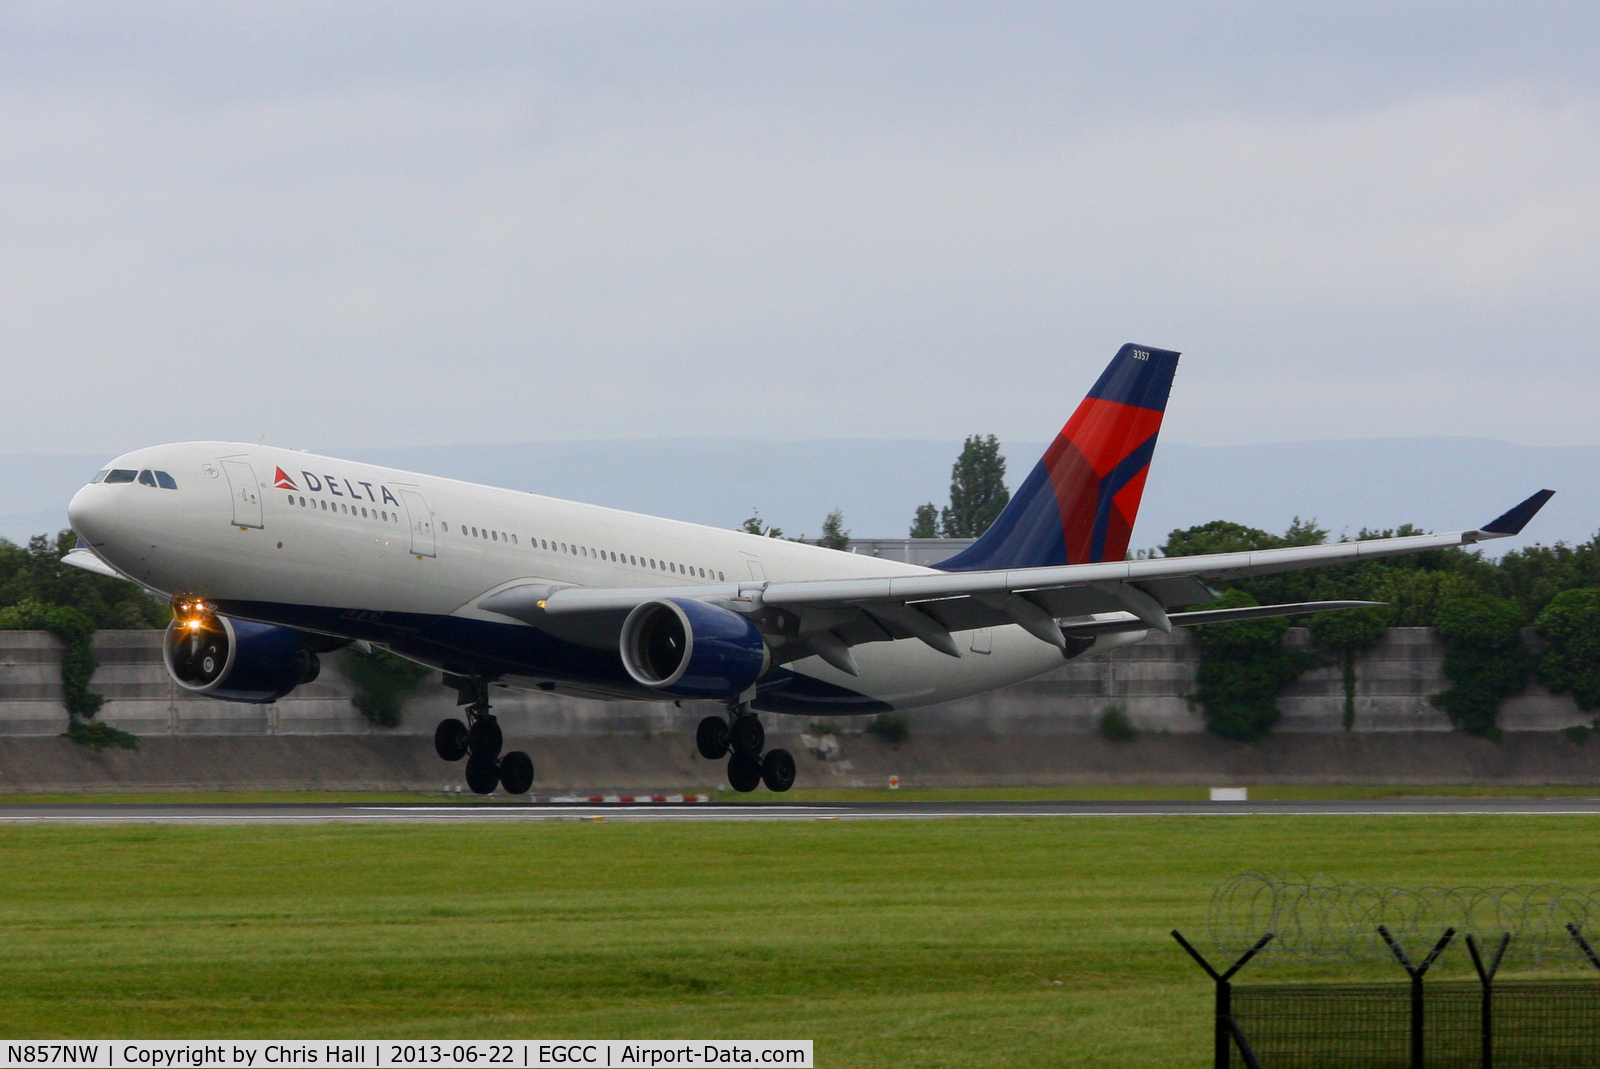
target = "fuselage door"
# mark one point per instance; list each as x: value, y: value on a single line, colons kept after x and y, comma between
x: 421, y: 522
x: 246, y: 493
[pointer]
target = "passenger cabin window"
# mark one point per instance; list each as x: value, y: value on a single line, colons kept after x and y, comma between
x: 165, y: 481
x: 121, y: 475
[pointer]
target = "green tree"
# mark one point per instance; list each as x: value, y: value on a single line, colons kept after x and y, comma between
x: 834, y: 536
x: 1485, y: 660
x: 35, y: 573
x: 977, y: 488
x: 1415, y: 596
x: 1349, y: 633
x: 1244, y: 666
x: 1218, y: 536
x: 1418, y: 583
x: 755, y: 525
x: 1570, y: 662
x: 925, y: 524
x: 1534, y: 576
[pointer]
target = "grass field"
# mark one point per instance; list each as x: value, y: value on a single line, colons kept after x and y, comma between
x: 992, y: 942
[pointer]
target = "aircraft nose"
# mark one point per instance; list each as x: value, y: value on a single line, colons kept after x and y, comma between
x: 92, y: 512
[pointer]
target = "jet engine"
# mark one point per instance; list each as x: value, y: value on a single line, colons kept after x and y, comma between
x: 236, y: 660
x: 692, y: 649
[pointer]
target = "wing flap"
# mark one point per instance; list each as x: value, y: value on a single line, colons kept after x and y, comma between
x: 1125, y: 595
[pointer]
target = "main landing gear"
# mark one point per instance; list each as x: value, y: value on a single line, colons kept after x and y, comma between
x: 741, y: 735
x: 479, y: 740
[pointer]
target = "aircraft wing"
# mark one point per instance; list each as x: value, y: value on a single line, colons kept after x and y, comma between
x: 825, y: 617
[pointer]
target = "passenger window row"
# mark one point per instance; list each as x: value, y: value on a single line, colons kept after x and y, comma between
x: 588, y: 552
x: 127, y: 475
x: 345, y: 509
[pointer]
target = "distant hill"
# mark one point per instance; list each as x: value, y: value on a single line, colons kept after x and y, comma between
x: 1439, y: 483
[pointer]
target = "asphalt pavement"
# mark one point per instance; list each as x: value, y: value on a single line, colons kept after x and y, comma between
x: 503, y: 810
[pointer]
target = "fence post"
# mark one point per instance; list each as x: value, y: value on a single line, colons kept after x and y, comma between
x: 1417, y: 972
x: 1226, y: 1029
x: 1583, y: 944
x: 1486, y: 1008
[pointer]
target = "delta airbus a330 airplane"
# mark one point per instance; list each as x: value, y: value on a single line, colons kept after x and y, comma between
x: 272, y: 557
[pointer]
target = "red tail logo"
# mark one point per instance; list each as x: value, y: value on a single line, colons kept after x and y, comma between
x: 282, y: 481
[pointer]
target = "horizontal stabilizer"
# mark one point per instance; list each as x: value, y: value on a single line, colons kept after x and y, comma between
x: 1512, y: 522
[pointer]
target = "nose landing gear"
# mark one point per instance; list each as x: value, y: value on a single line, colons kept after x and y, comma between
x: 479, y: 740
x: 742, y: 735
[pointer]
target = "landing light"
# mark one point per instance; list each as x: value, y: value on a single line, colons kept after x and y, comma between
x: 190, y: 612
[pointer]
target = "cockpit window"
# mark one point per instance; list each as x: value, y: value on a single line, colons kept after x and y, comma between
x: 99, y: 476
x: 121, y: 475
x: 165, y: 481
x: 147, y: 477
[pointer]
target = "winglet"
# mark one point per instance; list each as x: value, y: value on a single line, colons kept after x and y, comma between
x: 1516, y: 519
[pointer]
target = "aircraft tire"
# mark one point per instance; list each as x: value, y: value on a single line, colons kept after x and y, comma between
x: 450, y: 739
x: 711, y: 738
x: 744, y: 773
x: 516, y: 772
x: 483, y: 774
x: 747, y: 736
x: 777, y: 770
x: 485, y: 739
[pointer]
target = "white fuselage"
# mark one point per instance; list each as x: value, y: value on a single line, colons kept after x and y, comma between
x: 401, y: 560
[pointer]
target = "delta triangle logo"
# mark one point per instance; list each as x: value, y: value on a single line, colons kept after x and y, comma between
x: 283, y: 482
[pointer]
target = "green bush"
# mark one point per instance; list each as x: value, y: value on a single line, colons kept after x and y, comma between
x: 1349, y: 633
x: 381, y: 683
x: 1570, y: 663
x: 97, y: 736
x: 1485, y: 658
x: 1243, y: 668
x: 1115, y: 725
x: 891, y: 727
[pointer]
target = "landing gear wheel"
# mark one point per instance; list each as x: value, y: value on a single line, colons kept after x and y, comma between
x: 450, y: 739
x: 777, y: 770
x: 516, y: 772
x: 747, y: 736
x: 744, y: 773
x: 483, y: 774
x: 711, y: 737
x: 484, y: 738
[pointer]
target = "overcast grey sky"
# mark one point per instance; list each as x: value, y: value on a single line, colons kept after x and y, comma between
x: 411, y: 223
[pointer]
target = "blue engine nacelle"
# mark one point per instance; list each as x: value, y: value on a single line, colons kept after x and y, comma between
x: 692, y: 649
x: 236, y: 660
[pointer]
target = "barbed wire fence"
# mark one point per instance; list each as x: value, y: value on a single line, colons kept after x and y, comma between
x: 1320, y: 919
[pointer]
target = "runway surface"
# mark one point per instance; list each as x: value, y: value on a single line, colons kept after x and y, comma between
x: 513, y: 811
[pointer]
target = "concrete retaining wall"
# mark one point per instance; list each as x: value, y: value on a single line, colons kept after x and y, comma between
x: 1042, y: 731
x: 1150, y: 681
x: 668, y: 762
